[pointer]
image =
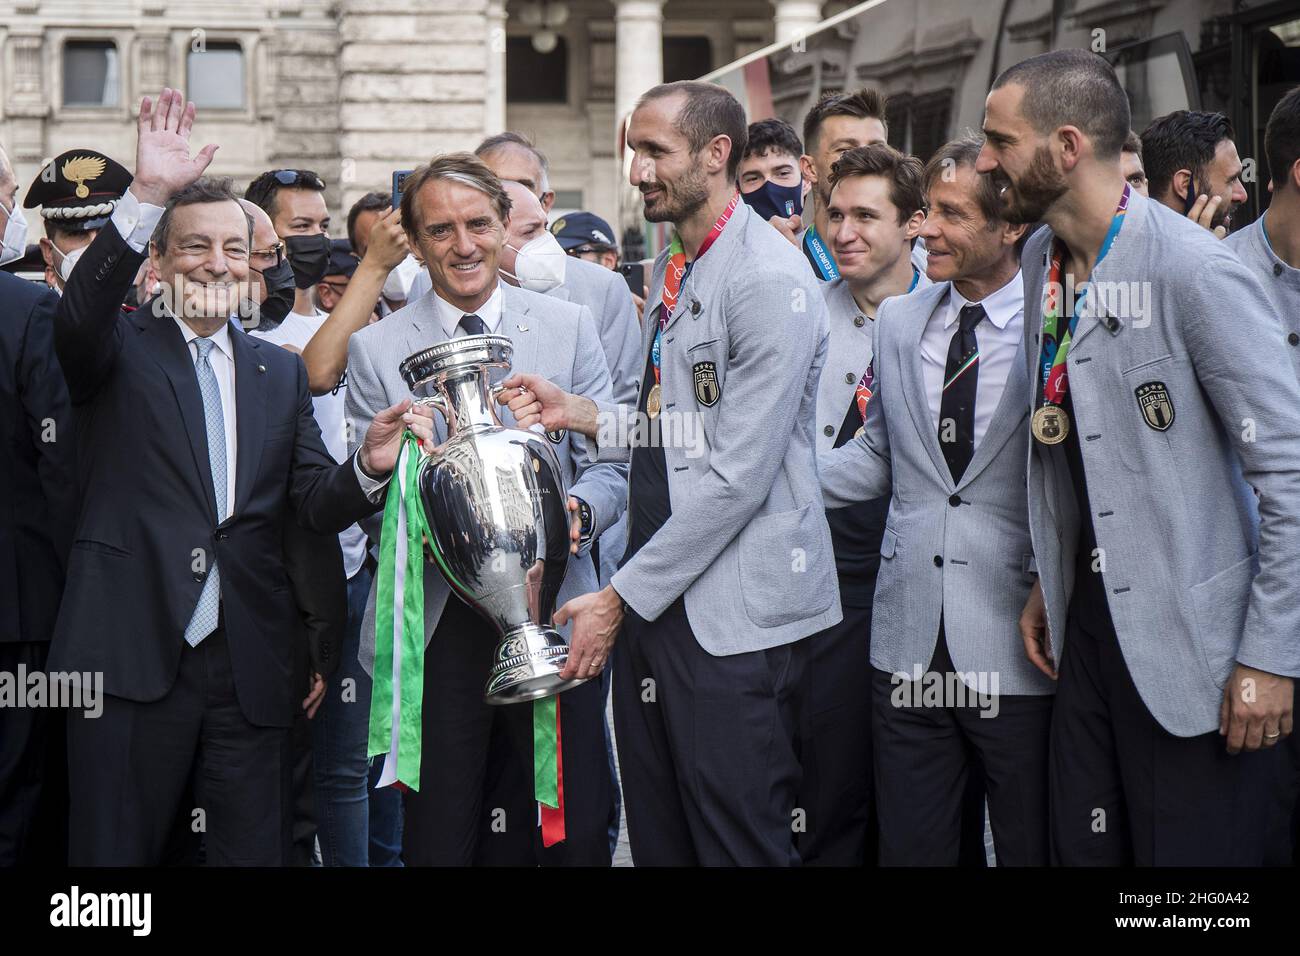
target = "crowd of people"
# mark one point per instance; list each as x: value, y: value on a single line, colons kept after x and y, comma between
x: 990, y: 506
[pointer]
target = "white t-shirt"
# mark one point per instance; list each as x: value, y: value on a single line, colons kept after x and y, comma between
x: 297, y: 330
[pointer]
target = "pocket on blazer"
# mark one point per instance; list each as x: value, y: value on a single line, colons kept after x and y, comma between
x: 1142, y: 365
x: 784, y: 567
x: 100, y: 547
x: 1220, y: 603
x: 889, y: 543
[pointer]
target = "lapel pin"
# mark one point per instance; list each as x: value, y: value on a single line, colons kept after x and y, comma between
x: 522, y: 328
x: 262, y: 368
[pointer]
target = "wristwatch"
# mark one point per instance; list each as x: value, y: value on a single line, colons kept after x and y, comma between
x: 586, y: 522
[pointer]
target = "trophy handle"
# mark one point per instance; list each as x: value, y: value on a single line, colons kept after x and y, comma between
x: 439, y: 403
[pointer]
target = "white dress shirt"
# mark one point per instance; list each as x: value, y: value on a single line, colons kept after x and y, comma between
x: 135, y: 222
x: 222, y: 360
x: 999, y: 337
x: 449, y: 315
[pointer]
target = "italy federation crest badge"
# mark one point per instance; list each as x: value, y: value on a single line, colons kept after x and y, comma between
x: 1156, y: 405
x: 707, y: 391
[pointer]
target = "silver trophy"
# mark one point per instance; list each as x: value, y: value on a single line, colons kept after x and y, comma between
x: 495, y: 502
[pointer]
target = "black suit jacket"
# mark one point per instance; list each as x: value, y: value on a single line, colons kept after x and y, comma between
x: 37, y: 488
x: 147, y: 525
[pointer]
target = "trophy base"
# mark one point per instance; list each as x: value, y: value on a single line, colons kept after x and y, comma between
x: 527, y: 666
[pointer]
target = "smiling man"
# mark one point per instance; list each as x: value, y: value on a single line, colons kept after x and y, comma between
x: 946, y: 434
x: 196, y: 443
x: 457, y: 215
x: 728, y: 562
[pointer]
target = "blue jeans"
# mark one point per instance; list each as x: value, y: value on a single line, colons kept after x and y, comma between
x: 350, y: 820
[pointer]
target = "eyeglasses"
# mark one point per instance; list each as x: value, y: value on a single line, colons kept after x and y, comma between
x: 298, y: 177
x: 276, y: 252
x: 338, y: 288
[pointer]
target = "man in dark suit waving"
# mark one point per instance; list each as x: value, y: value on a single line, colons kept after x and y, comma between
x: 196, y: 444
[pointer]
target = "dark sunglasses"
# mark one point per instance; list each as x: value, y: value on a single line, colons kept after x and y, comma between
x: 298, y: 177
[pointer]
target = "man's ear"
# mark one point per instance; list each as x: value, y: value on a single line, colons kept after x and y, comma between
x: 1181, y: 184
x: 807, y: 170
x: 912, y: 227
x: 47, y: 252
x: 1011, y: 233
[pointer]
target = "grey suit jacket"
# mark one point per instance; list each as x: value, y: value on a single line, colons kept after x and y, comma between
x: 1195, y: 583
x: 1280, y: 281
x: 847, y: 356
x: 747, y: 542
x: 551, y: 338
x: 981, y: 583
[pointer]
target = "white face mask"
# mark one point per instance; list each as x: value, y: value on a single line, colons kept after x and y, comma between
x: 398, y: 284
x: 15, y: 237
x: 539, y: 264
x: 68, y: 261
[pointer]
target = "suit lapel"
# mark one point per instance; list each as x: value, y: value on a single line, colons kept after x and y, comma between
x: 913, y: 379
x: 1007, y: 419
x: 711, y: 269
x: 518, y: 324
x: 167, y: 347
x: 250, y: 413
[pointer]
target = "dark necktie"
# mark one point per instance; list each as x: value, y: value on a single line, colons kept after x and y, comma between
x: 957, y: 407
x: 473, y: 325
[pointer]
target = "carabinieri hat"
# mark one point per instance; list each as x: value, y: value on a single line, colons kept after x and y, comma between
x: 78, y: 189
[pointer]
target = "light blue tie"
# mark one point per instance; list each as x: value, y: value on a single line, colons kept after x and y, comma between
x: 204, y: 620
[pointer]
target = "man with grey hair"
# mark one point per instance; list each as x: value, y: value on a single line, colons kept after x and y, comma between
x: 457, y: 214
x: 514, y: 157
x: 195, y: 443
x: 37, y: 485
x: 946, y: 434
x: 1159, y: 432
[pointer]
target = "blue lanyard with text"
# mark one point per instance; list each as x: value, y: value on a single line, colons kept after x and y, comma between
x: 821, y: 259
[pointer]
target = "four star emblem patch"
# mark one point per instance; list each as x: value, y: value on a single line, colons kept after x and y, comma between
x: 707, y: 390
x: 1155, y: 404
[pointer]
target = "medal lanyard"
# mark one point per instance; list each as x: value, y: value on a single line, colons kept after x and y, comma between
x: 1052, y: 359
x: 821, y: 258
x: 678, y: 268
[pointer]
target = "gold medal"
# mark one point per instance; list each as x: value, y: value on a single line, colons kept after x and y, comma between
x: 861, y: 429
x: 652, y: 401
x: 1050, y: 424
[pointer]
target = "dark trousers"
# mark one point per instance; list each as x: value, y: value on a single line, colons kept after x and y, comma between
x: 129, y: 770
x: 834, y: 745
x: 1282, y: 841
x: 448, y: 821
x: 705, y: 747
x: 24, y: 736
x: 1125, y: 791
x: 925, y: 754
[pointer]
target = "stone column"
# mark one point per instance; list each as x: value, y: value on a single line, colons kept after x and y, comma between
x: 495, y: 107
x: 796, y: 18
x: 413, y: 82
x: 639, y: 51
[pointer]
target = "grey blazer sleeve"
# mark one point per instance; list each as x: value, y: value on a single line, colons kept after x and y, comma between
x: 365, y: 400
x: 603, y: 485
x: 771, y: 349
x: 1249, y: 380
x: 620, y: 336
x: 860, y: 470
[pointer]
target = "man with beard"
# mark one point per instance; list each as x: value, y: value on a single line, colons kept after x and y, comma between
x: 728, y: 561
x: 1162, y: 603
x: 1193, y: 168
x: 195, y: 444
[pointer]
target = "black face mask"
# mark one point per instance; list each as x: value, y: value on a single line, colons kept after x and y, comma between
x: 280, y: 287
x: 310, y: 257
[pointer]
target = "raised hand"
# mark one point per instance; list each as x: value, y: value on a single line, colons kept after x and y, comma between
x: 163, y: 164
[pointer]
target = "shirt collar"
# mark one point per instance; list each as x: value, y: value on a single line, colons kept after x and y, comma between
x: 449, y: 316
x: 1000, y: 307
x: 220, y: 338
